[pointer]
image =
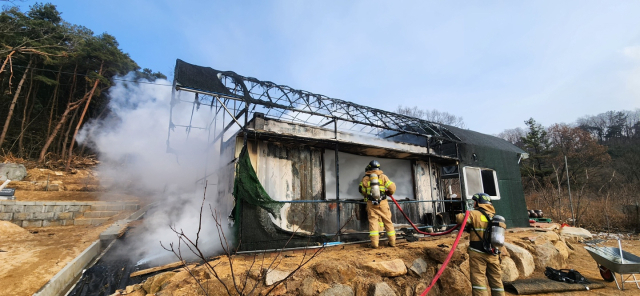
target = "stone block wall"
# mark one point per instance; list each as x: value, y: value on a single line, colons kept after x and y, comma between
x: 61, y: 213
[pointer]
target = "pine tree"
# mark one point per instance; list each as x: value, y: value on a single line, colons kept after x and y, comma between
x: 536, y: 142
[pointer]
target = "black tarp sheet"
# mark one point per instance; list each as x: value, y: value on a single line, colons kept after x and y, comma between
x: 537, y: 286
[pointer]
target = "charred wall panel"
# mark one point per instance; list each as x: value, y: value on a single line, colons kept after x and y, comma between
x: 226, y: 173
x: 353, y: 216
x: 352, y: 171
x: 428, y: 183
x: 290, y: 173
x: 423, y: 184
x: 293, y: 172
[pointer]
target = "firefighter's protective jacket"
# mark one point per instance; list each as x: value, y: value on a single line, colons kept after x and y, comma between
x: 479, y: 222
x: 385, y: 184
x: 483, y: 267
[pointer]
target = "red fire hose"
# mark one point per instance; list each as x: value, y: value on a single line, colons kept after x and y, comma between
x: 415, y: 227
x: 446, y: 261
x: 453, y: 248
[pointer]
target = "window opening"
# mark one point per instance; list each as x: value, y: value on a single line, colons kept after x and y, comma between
x: 488, y: 183
x: 481, y: 180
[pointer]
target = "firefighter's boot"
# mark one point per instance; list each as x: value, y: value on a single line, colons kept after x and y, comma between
x: 375, y: 239
x: 392, y: 240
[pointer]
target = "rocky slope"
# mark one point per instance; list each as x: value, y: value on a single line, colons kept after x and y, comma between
x: 356, y: 270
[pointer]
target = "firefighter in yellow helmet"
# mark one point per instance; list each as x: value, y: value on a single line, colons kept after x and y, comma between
x: 484, y: 259
x: 375, y: 187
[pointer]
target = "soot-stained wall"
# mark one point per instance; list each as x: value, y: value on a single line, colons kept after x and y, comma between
x: 294, y: 172
x: 291, y: 170
x: 352, y: 170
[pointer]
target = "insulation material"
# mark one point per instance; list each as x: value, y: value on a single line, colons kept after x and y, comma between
x: 226, y: 173
x: 472, y: 181
x: 427, y: 180
x: 291, y: 173
x: 423, y: 186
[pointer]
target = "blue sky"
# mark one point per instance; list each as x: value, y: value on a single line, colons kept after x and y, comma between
x: 495, y: 63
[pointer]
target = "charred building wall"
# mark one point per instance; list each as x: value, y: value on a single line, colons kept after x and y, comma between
x: 296, y: 166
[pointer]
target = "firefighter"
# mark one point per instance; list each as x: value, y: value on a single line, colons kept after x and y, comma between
x: 483, y: 264
x: 375, y: 187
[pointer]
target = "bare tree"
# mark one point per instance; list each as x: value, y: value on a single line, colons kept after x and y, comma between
x: 86, y: 107
x: 432, y: 115
x: 13, y: 103
x: 514, y: 136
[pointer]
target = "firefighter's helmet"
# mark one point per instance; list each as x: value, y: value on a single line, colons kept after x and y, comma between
x: 482, y: 198
x: 373, y: 165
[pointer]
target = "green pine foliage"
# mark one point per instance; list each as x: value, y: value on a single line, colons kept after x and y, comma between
x: 536, y: 142
x: 49, y: 69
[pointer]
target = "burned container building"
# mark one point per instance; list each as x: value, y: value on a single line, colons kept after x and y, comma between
x: 290, y: 161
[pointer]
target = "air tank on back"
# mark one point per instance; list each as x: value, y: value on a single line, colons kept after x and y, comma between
x: 497, y: 231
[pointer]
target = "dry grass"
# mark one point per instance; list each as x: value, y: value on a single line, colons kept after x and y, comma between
x: 52, y: 162
x: 610, y: 211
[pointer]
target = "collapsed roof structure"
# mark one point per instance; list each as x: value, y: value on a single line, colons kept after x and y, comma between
x: 292, y: 160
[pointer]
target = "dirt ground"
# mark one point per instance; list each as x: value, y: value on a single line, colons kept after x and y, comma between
x: 24, y: 195
x: 30, y: 257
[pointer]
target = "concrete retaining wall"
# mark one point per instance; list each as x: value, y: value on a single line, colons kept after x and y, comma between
x: 70, y: 272
x: 59, y: 213
x: 63, y: 281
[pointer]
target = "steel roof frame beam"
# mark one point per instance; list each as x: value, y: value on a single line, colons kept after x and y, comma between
x: 343, y: 111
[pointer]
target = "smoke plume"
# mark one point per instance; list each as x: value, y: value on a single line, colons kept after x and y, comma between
x: 131, y: 143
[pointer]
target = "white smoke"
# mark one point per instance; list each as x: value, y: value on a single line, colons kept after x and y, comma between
x: 131, y: 143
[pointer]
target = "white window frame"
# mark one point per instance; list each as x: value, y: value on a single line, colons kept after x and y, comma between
x: 468, y: 170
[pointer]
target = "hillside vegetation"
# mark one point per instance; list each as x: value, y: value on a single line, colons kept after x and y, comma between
x: 53, y: 77
x: 587, y: 172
